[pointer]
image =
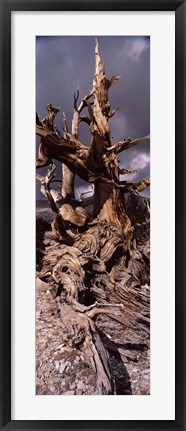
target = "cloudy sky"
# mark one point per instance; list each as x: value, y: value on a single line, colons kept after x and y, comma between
x: 64, y: 63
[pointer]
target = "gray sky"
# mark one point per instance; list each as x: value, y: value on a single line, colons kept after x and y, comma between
x: 64, y: 63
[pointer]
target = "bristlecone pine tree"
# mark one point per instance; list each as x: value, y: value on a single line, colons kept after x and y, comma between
x: 99, y: 269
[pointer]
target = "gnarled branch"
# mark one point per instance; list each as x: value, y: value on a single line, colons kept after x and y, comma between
x: 127, y: 143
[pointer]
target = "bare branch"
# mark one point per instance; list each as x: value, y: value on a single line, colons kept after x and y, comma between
x: 48, y: 121
x: 85, y: 119
x: 127, y: 143
x: 65, y: 125
x: 53, y: 142
x: 76, y: 97
x: 112, y: 113
x: 84, y: 101
x: 38, y: 120
x: 46, y: 179
x: 138, y: 186
x: 113, y: 79
x: 124, y: 171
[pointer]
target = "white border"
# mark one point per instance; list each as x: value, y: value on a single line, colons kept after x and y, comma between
x: 160, y: 404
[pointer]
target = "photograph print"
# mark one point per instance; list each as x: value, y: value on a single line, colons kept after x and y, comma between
x: 93, y: 215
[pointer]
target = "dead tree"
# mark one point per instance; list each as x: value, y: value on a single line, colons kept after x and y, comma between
x: 98, y: 162
x: 103, y: 245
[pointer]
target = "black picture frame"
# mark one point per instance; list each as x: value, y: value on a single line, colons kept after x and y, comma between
x: 5, y: 213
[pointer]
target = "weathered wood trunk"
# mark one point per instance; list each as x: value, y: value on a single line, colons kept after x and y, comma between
x: 67, y: 189
x: 108, y: 206
x: 108, y: 201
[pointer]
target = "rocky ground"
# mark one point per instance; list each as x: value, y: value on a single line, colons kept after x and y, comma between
x: 62, y: 369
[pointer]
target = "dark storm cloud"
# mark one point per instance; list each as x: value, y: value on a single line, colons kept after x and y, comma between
x: 64, y: 63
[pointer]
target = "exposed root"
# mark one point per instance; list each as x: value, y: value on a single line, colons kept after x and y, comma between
x: 82, y: 268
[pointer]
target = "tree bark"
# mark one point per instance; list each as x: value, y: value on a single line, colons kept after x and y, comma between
x: 67, y: 190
